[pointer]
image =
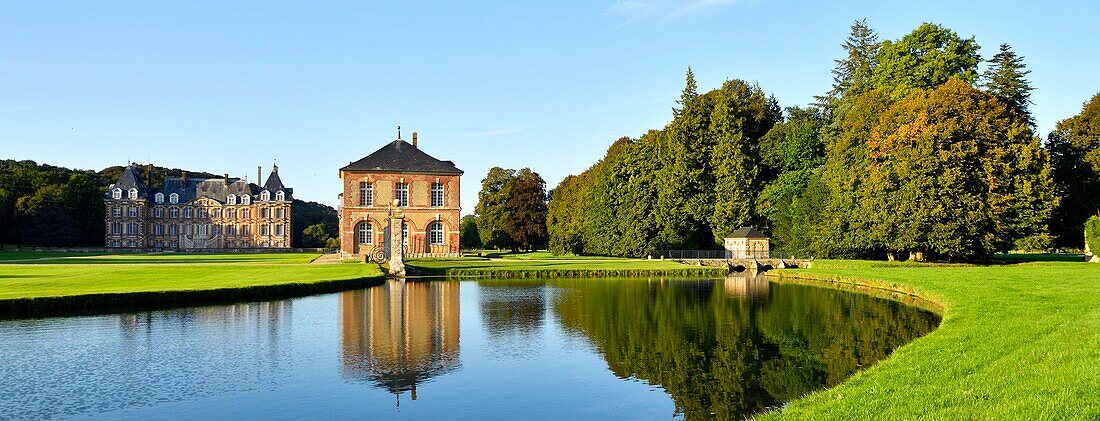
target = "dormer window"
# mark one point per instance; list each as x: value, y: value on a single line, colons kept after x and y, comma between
x: 116, y: 194
x: 265, y: 195
x: 280, y: 196
x: 231, y: 200
x: 174, y: 198
x: 133, y: 194
x: 159, y: 197
x: 246, y: 199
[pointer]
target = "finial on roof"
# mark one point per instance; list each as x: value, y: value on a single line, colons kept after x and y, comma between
x: 398, y: 132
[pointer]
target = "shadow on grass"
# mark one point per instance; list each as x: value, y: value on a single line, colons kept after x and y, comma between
x: 1038, y: 257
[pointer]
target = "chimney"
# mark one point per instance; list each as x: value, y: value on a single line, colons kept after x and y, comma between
x: 259, y: 173
x: 226, y: 176
x: 183, y: 179
x: 414, y: 139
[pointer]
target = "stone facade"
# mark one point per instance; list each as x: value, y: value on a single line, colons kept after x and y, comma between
x: 747, y: 243
x: 370, y: 186
x: 198, y: 214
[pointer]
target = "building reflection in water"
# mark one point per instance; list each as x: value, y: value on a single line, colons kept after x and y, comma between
x: 748, y: 284
x: 399, y: 334
x: 261, y: 320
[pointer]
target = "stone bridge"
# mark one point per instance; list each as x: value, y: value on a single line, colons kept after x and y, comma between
x: 737, y: 265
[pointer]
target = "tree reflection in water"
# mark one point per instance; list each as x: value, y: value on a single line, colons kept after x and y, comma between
x: 736, y: 347
x: 399, y: 334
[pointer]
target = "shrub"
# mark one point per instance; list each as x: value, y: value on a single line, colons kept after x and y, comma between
x: 1092, y: 234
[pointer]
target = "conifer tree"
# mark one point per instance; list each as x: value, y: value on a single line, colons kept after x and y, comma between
x: 1006, y: 79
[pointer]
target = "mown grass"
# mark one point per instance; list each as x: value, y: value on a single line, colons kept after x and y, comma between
x: 1016, y: 342
x: 89, y: 282
x: 551, y: 268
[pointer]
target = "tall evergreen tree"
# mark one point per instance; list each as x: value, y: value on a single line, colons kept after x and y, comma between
x: 1006, y: 79
x: 852, y: 74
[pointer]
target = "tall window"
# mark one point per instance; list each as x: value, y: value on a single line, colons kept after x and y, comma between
x: 401, y: 193
x: 187, y: 213
x: 263, y: 213
x: 174, y: 213
x: 158, y: 212
x: 132, y: 212
x: 173, y: 229
x: 265, y: 195
x: 437, y: 194
x: 280, y: 213
x: 230, y: 230
x: 117, y: 211
x: 133, y: 194
x: 244, y: 230
x: 435, y: 233
x: 231, y: 199
x: 230, y: 214
x: 116, y: 194
x: 159, y: 197
x: 174, y: 198
x: 245, y: 213
x: 216, y: 213
x: 131, y: 228
x: 366, y: 194
x: 158, y: 229
x: 366, y: 233
x: 280, y: 196
x: 116, y: 228
x: 264, y: 230
x: 278, y: 229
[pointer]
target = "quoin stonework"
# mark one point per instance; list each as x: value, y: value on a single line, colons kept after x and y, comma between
x: 425, y: 190
x: 198, y: 213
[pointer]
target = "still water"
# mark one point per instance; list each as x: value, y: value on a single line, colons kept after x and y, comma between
x: 578, y: 349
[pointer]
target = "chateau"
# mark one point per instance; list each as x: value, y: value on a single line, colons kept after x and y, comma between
x: 424, y: 189
x: 198, y: 213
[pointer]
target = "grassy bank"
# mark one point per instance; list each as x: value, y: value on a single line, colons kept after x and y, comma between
x: 533, y: 267
x: 100, y: 283
x: 1016, y: 341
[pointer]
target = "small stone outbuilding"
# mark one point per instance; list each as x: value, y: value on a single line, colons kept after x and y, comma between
x: 747, y: 243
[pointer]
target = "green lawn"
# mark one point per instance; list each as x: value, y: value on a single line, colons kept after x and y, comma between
x: 124, y: 273
x: 1016, y: 342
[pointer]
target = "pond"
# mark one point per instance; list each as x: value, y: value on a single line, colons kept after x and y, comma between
x: 532, y: 349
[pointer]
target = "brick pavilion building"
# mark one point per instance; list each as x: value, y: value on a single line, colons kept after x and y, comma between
x: 198, y: 213
x: 425, y: 189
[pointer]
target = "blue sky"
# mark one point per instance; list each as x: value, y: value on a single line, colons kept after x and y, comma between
x: 226, y: 86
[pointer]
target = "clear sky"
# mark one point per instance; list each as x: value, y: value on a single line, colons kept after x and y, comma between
x: 226, y: 86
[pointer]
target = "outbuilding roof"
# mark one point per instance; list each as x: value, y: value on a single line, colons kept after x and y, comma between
x: 401, y: 156
x: 746, y: 232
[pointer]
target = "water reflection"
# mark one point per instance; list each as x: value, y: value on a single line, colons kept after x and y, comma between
x: 512, y: 315
x: 738, y: 350
x: 750, y: 284
x: 399, y: 334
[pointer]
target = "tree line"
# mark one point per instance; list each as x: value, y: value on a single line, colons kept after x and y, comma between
x: 921, y: 149
x: 46, y: 205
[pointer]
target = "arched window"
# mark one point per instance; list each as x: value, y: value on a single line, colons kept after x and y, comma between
x: 280, y: 196
x: 265, y: 195
x: 133, y: 194
x: 435, y: 233
x: 159, y: 198
x: 174, y: 198
x: 365, y: 233
x: 246, y: 199
x: 116, y: 194
x: 231, y: 200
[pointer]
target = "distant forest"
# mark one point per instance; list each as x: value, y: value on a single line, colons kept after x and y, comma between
x: 921, y: 149
x: 46, y: 205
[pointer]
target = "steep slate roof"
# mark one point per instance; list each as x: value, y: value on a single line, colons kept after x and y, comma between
x: 746, y: 232
x: 274, y: 183
x: 128, y: 180
x: 400, y: 156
